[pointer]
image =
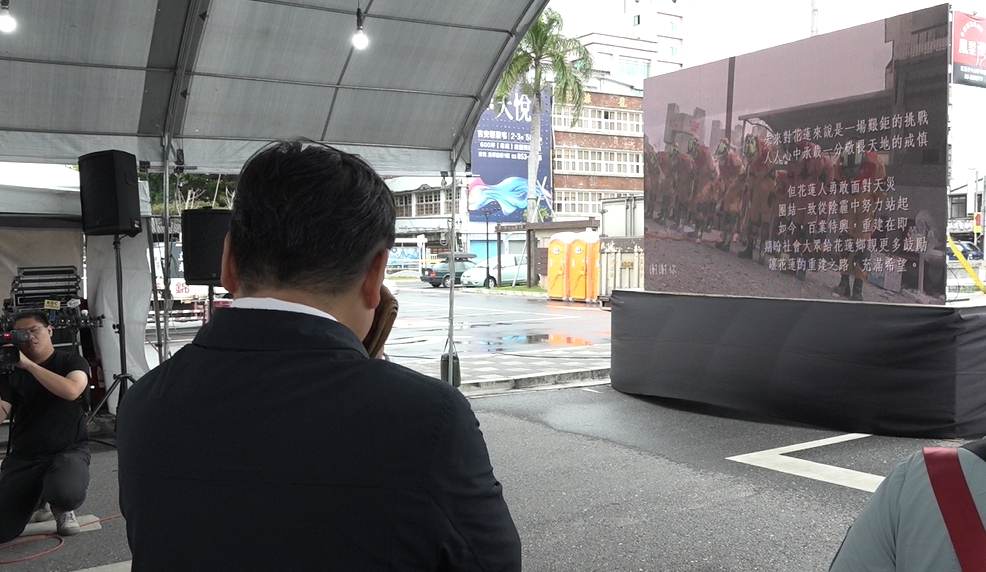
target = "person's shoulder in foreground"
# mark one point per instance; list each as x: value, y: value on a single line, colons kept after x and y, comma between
x: 273, y: 441
x: 901, y: 528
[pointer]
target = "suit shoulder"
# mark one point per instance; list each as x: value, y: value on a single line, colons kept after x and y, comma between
x: 392, y: 372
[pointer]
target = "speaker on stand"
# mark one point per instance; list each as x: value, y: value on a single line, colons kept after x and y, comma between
x: 108, y: 189
x: 203, y: 235
x: 111, y: 207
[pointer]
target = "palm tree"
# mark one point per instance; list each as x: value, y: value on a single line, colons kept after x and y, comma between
x: 545, y: 58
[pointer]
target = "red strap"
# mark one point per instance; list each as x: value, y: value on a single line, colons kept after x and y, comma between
x: 962, y: 520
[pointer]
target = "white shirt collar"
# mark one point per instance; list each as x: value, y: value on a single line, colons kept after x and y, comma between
x: 282, y: 305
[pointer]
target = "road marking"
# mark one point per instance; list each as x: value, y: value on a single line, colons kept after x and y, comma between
x: 601, y: 347
x: 480, y: 394
x: 418, y: 340
x: 485, y: 310
x: 422, y: 324
x: 118, y: 567
x: 592, y: 390
x: 776, y: 460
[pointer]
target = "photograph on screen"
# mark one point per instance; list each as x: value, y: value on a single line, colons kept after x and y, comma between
x: 812, y: 170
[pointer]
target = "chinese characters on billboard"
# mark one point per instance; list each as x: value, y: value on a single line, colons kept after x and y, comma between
x: 968, y: 49
x: 810, y: 170
x: 500, y: 148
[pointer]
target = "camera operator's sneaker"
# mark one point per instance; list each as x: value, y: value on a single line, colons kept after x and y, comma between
x: 43, y: 514
x: 67, y: 524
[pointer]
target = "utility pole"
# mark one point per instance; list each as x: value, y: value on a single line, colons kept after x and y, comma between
x: 486, y: 213
x: 814, y: 18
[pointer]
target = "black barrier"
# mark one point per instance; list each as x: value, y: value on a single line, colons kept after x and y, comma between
x: 907, y: 370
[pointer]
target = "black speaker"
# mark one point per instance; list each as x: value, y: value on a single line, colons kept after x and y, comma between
x: 203, y: 232
x: 108, y: 188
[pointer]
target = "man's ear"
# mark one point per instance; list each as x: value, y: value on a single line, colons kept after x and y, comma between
x: 230, y: 277
x: 374, y: 280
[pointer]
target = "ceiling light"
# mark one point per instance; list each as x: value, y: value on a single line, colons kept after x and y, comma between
x: 7, y: 22
x: 360, y: 41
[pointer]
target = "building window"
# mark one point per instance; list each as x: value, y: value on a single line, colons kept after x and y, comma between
x: 599, y: 120
x: 598, y: 162
x: 674, y: 25
x: 632, y: 67
x: 448, y: 203
x: 674, y: 51
x: 585, y: 202
x: 403, y: 202
x: 429, y: 203
x: 957, y: 204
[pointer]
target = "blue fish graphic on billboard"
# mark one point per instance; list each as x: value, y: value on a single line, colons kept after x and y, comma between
x: 499, y: 161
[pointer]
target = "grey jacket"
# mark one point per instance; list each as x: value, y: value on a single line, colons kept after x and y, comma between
x: 901, y: 528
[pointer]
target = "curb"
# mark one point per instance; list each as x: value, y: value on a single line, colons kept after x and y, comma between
x: 537, y: 380
x: 494, y: 292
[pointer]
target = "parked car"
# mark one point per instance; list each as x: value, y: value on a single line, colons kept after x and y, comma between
x: 968, y: 249
x: 514, y: 267
x: 439, y: 275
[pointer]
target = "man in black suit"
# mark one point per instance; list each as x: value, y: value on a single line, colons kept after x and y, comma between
x: 273, y: 441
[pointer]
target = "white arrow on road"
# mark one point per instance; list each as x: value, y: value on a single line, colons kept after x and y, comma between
x: 776, y: 460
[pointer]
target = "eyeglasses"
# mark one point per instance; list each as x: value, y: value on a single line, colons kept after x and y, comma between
x: 35, y: 330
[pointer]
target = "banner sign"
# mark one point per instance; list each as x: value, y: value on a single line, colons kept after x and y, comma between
x: 500, y: 149
x: 968, y: 49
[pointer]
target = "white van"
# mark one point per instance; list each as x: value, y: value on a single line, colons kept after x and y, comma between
x: 514, y: 271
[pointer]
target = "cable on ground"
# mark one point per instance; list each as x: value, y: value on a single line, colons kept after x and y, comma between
x: 40, y: 537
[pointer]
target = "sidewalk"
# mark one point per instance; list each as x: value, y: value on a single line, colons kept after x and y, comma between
x: 504, y: 292
x: 505, y: 370
x: 522, y: 369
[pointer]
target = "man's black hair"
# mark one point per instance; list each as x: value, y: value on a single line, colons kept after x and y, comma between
x: 308, y: 217
x: 36, y: 315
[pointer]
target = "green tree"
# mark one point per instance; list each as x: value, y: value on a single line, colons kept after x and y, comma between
x: 545, y: 59
x: 191, y: 190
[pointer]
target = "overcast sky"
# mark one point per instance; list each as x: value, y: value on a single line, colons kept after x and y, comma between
x: 717, y: 29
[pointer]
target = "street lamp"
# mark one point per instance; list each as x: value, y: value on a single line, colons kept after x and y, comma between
x: 486, y: 213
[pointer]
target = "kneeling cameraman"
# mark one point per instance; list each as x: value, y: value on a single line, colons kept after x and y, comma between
x: 49, y: 447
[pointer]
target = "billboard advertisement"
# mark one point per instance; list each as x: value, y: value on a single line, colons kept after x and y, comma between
x: 968, y: 49
x: 813, y: 170
x: 404, y: 256
x: 500, y: 148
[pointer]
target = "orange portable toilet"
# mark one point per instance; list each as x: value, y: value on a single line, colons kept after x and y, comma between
x: 594, y: 265
x: 591, y: 240
x: 578, y: 257
x: 558, y: 265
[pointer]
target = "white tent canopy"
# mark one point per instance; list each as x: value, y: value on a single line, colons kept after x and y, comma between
x: 49, y: 191
x: 211, y: 81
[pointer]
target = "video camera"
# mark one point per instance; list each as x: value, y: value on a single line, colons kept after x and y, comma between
x: 10, y: 354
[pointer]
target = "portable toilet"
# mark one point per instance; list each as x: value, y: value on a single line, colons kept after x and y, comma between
x: 558, y: 265
x: 591, y: 240
x: 583, y: 257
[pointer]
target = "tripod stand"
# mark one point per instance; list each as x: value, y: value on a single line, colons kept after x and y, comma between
x: 121, y: 378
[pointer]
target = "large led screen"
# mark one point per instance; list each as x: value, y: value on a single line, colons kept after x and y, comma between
x: 813, y: 170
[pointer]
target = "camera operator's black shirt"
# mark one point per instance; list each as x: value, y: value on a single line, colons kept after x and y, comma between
x: 43, y: 422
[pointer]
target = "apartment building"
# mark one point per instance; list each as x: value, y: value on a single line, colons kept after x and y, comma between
x: 600, y: 157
